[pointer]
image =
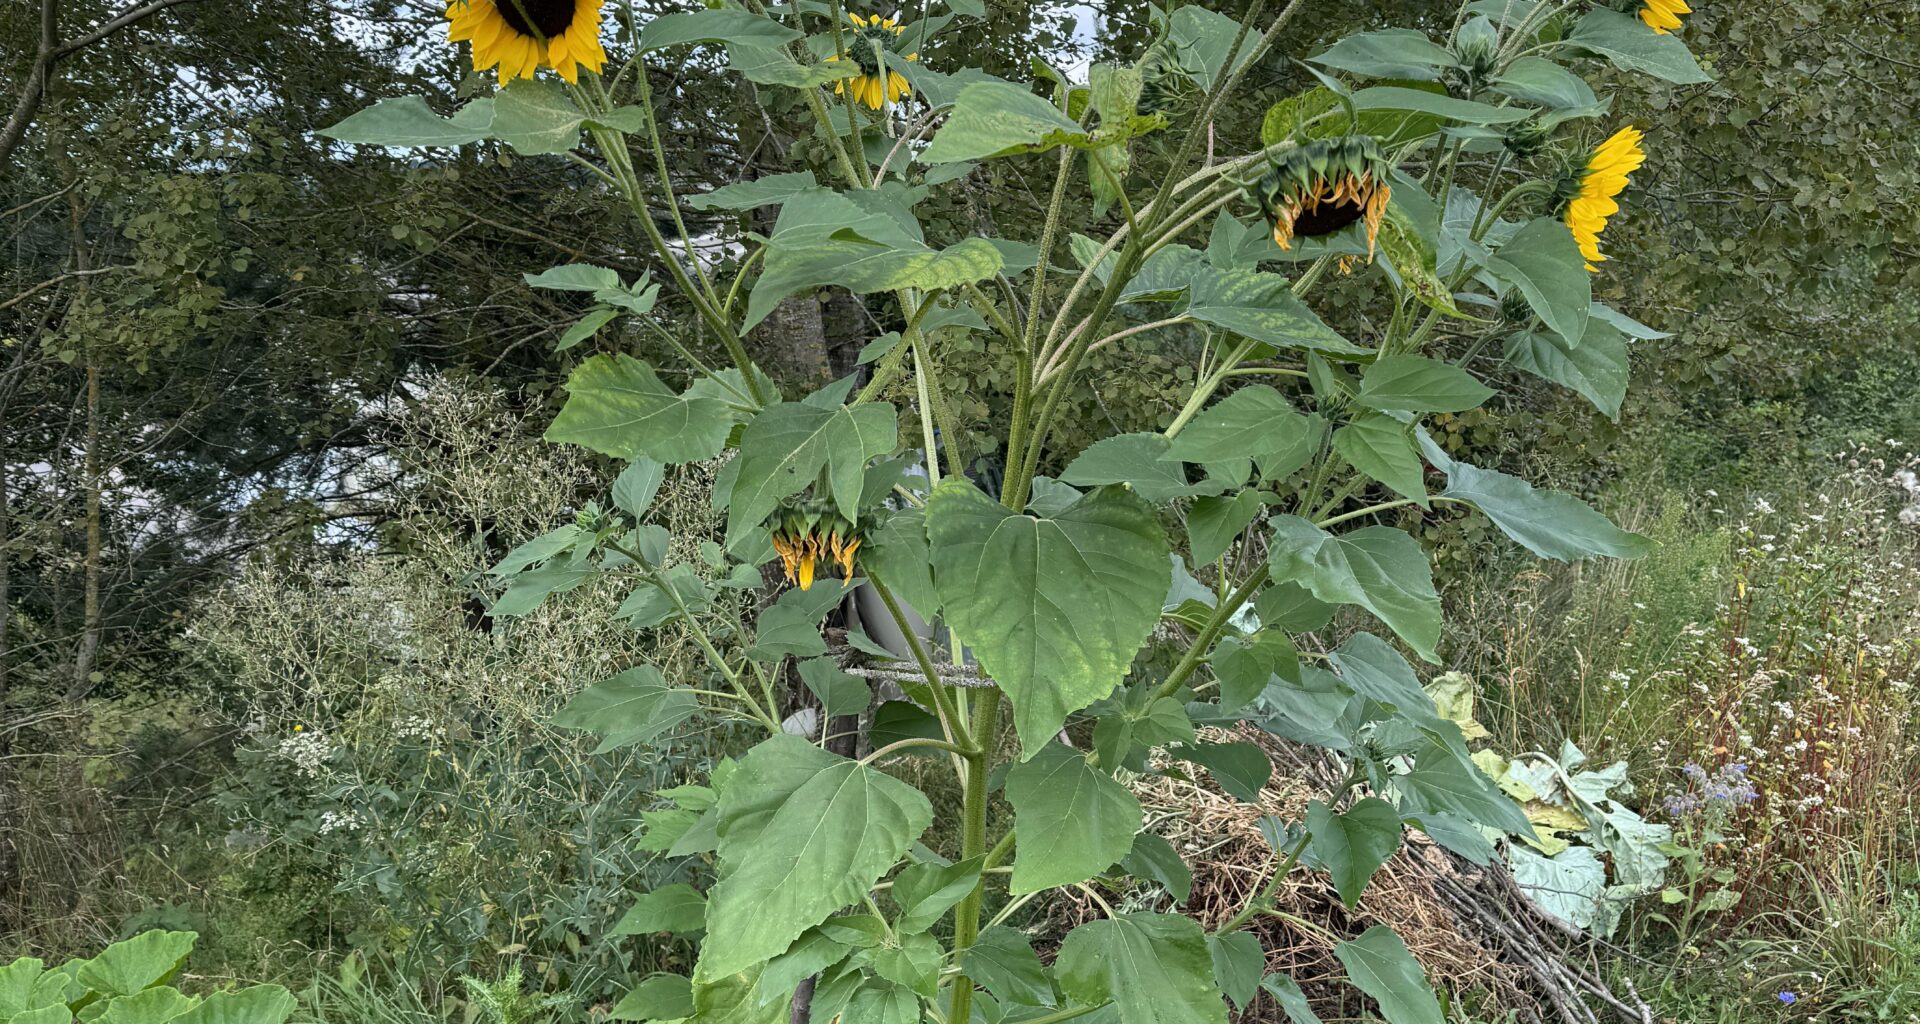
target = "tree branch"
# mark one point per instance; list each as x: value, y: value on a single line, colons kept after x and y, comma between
x: 52, y: 52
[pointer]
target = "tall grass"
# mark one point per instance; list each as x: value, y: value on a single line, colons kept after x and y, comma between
x: 1776, y: 632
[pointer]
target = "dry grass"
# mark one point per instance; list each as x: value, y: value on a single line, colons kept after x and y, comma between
x: 1220, y: 838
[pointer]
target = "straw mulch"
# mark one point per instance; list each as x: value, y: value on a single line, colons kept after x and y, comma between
x: 1475, y: 934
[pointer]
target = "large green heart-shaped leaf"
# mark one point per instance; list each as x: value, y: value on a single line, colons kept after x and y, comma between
x: 131, y: 965
x: 1380, y: 965
x: 826, y: 842
x: 26, y: 984
x: 616, y: 405
x: 1632, y: 46
x: 1071, y: 821
x: 1352, y: 844
x: 407, y: 121
x: 1544, y: 262
x: 1155, y: 968
x: 1378, y: 568
x: 1055, y: 608
x: 632, y: 707
x: 786, y: 447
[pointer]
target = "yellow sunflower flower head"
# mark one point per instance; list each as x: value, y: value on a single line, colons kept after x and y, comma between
x: 876, y: 85
x: 1663, y: 16
x: 522, y: 36
x: 1324, y: 186
x: 810, y: 537
x: 1604, y: 177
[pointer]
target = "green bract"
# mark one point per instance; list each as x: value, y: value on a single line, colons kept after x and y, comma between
x: 1097, y: 604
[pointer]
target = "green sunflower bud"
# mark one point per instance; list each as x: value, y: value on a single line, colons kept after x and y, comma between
x: 1477, y: 45
x: 1514, y: 308
x: 1528, y: 138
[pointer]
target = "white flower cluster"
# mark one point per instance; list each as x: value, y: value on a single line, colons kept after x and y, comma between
x: 1909, y: 482
x: 339, y: 821
x: 418, y: 727
x: 307, y: 752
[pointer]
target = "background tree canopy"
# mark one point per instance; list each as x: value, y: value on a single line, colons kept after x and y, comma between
x: 220, y: 332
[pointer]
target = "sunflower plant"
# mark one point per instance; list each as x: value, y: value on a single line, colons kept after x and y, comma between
x: 1091, y: 610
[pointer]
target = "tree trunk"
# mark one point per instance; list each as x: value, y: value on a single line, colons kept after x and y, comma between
x: 39, y: 79
x: 9, y: 855
x: 792, y: 343
x: 89, y: 646
x: 83, y: 677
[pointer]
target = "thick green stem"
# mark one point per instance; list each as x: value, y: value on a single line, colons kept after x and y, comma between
x: 973, y: 843
x: 1204, y: 388
x: 928, y: 374
x: 762, y: 715
x: 913, y: 743
x: 613, y: 145
x: 1025, y: 357
x: 1071, y: 1012
x: 1015, y: 495
x: 1209, y: 633
x: 956, y: 730
x: 1264, y: 898
x: 666, y: 182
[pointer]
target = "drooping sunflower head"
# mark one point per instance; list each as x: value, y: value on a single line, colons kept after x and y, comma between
x: 1324, y: 186
x: 1663, y: 16
x: 521, y: 36
x: 810, y: 537
x: 876, y: 85
x: 1589, y: 192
